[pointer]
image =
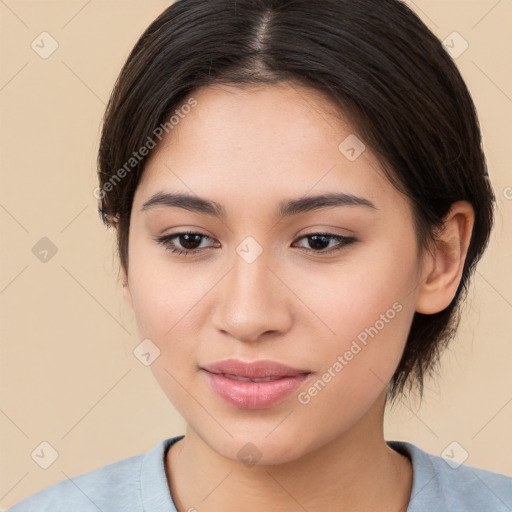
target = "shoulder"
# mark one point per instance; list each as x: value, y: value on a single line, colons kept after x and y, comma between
x: 442, y: 484
x: 119, y: 486
x: 95, y: 490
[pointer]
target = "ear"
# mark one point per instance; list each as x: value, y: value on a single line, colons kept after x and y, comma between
x: 443, y: 265
x: 126, y: 289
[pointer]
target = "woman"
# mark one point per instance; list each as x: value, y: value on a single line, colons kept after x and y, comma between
x: 300, y: 198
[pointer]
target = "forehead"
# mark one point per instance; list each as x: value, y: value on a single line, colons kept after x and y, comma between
x: 264, y: 140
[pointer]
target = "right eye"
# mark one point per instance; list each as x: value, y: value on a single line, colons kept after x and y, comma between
x: 188, y: 242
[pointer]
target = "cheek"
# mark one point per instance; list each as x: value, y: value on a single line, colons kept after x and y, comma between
x: 366, y: 309
x: 351, y: 296
x: 165, y: 299
x: 165, y: 295
x: 356, y: 363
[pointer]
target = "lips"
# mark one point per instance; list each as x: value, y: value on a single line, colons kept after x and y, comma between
x: 255, y: 385
x: 262, y: 369
x: 249, y: 379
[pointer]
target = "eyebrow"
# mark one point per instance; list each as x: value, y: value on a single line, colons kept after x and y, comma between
x: 285, y: 208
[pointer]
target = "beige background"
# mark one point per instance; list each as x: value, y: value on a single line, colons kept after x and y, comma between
x: 68, y: 374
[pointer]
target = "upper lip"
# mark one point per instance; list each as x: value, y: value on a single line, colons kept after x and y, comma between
x: 254, y: 369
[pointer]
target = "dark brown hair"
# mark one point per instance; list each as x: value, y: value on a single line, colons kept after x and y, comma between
x: 375, y: 58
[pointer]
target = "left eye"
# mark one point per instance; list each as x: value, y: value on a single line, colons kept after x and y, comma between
x: 190, y: 242
x: 322, y: 241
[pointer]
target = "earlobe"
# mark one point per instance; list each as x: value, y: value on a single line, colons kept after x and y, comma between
x: 443, y: 272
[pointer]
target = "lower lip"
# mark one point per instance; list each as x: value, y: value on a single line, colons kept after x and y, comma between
x: 254, y: 395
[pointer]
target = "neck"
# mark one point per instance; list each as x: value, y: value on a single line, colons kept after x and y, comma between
x: 355, y: 471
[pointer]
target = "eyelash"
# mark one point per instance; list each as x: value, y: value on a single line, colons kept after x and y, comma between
x: 167, y: 242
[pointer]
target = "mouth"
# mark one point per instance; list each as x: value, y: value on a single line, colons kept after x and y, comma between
x: 248, y: 379
x: 255, y: 385
x: 262, y: 369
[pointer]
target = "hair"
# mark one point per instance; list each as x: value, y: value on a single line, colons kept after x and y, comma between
x: 376, y: 59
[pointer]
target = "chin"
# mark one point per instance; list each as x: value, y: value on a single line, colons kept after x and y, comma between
x: 257, y: 447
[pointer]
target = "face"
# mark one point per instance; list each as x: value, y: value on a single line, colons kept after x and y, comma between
x: 326, y: 287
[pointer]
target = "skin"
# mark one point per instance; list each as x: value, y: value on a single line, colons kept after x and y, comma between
x: 248, y: 149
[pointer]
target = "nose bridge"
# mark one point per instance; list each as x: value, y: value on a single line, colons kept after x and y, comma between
x: 250, y: 300
x: 249, y: 281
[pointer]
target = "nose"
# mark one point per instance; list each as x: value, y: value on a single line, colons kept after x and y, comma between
x: 252, y: 302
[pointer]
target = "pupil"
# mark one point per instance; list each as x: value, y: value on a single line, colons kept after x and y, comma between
x: 188, y: 240
x: 315, y: 242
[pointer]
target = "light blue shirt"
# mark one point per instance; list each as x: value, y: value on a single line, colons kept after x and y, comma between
x: 139, y: 484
